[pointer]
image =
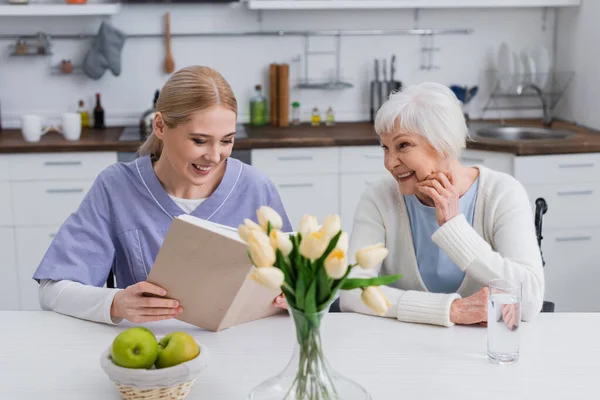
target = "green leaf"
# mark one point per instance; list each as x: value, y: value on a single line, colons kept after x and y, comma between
x: 310, y: 303
x: 301, y: 287
x: 281, y: 262
x: 323, y: 285
x: 269, y: 227
x: 354, y: 283
x: 289, y: 297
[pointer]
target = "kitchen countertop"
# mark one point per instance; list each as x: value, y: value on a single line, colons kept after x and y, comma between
x: 342, y: 134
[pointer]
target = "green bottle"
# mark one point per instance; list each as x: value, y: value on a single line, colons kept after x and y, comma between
x: 258, y: 108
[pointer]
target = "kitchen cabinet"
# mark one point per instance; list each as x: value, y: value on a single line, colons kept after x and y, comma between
x: 47, y: 10
x: 395, y: 4
x: 502, y: 162
x: 9, y: 288
x: 37, y: 193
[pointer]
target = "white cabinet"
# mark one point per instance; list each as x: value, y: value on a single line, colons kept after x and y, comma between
x: 32, y: 244
x: 572, y: 269
x: 503, y: 162
x: 394, y: 4
x: 37, y: 193
x: 308, y: 194
x: 352, y: 187
x: 9, y: 288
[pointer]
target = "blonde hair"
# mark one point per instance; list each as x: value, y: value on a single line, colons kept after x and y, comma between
x: 187, y: 91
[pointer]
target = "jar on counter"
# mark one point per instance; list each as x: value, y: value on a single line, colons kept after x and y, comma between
x: 316, y: 117
x: 329, y: 118
x: 296, y: 113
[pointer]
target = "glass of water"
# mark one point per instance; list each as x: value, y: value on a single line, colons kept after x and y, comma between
x: 504, y: 317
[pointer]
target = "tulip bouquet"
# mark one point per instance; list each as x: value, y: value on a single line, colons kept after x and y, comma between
x: 310, y: 267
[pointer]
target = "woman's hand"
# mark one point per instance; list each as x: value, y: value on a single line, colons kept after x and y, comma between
x: 280, y: 302
x: 470, y: 310
x: 510, y: 316
x: 132, y: 305
x: 440, y: 188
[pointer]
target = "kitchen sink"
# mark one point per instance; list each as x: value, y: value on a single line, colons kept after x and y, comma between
x: 520, y: 133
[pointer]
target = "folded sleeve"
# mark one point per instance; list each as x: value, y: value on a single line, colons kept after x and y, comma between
x: 83, y: 249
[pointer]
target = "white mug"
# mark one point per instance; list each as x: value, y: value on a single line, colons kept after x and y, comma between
x: 71, y: 126
x: 31, y: 126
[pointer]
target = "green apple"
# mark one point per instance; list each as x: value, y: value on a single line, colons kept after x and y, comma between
x: 135, y: 348
x: 176, y: 348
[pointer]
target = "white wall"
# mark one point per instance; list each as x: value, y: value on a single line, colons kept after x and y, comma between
x: 27, y: 86
x: 578, y: 51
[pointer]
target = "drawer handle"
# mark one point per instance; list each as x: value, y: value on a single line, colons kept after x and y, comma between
x: 368, y: 183
x: 576, y: 193
x: 295, y: 158
x: 54, y: 191
x: 295, y: 185
x: 581, y: 165
x: 473, y: 160
x: 373, y: 156
x: 574, y: 239
x: 61, y: 163
x: 52, y: 235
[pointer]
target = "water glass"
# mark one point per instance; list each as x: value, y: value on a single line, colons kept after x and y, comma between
x: 504, y: 318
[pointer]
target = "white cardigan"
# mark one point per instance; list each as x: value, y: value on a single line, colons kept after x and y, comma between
x: 500, y: 244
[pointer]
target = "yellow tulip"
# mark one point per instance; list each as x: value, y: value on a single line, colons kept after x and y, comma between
x: 308, y: 225
x: 270, y: 277
x: 281, y: 241
x: 335, y: 264
x: 265, y: 215
x: 263, y: 255
x: 331, y: 226
x: 313, y: 245
x: 370, y: 256
x: 374, y: 298
x: 342, y: 243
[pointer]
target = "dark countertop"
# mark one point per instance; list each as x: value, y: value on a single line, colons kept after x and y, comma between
x: 342, y: 134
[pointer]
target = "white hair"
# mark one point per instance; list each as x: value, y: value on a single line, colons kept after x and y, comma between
x: 430, y: 110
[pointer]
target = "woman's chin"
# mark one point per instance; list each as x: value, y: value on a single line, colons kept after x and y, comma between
x: 407, y: 189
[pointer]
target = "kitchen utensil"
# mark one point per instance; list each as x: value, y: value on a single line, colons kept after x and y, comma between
x: 384, y: 83
x: 505, y: 67
x: 374, y: 94
x: 32, y: 128
x: 71, y: 126
x: 395, y: 85
x: 379, y: 84
x: 273, y: 98
x: 283, y: 94
x: 169, y: 61
x: 542, y: 65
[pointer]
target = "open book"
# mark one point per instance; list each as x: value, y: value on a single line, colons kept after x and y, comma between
x: 204, y: 266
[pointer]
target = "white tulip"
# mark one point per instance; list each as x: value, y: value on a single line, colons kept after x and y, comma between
x: 270, y: 277
x: 313, y: 245
x: 263, y: 255
x: 308, y: 225
x: 342, y: 243
x: 374, y: 298
x: 370, y: 256
x: 335, y: 264
x: 331, y: 226
x: 281, y: 241
x: 265, y: 215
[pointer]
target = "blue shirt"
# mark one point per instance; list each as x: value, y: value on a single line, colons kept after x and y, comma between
x: 124, y: 218
x: 439, y: 273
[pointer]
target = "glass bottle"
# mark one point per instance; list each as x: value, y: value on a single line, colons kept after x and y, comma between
x: 98, y: 114
x: 316, y: 117
x: 296, y: 113
x: 85, y: 116
x: 330, y: 118
x: 258, y: 107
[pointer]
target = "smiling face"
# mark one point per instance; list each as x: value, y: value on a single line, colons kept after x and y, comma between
x: 194, y: 152
x: 410, y: 158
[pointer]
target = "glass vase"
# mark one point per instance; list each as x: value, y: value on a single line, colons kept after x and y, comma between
x: 308, y: 375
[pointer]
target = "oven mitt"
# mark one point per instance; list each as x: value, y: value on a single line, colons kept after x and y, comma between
x: 94, y: 64
x: 111, y: 42
x: 105, y: 52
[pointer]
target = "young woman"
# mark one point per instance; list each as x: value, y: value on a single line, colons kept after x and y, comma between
x: 184, y: 167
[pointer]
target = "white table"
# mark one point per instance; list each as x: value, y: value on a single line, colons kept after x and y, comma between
x: 48, y: 356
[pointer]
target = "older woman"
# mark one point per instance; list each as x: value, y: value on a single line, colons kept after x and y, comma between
x: 450, y: 229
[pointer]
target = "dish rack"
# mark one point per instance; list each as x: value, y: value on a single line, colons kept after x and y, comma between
x: 527, y: 91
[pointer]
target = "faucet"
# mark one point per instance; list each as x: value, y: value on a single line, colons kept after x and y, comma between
x: 547, y: 119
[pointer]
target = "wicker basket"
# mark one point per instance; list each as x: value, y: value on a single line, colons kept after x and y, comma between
x: 174, y: 383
